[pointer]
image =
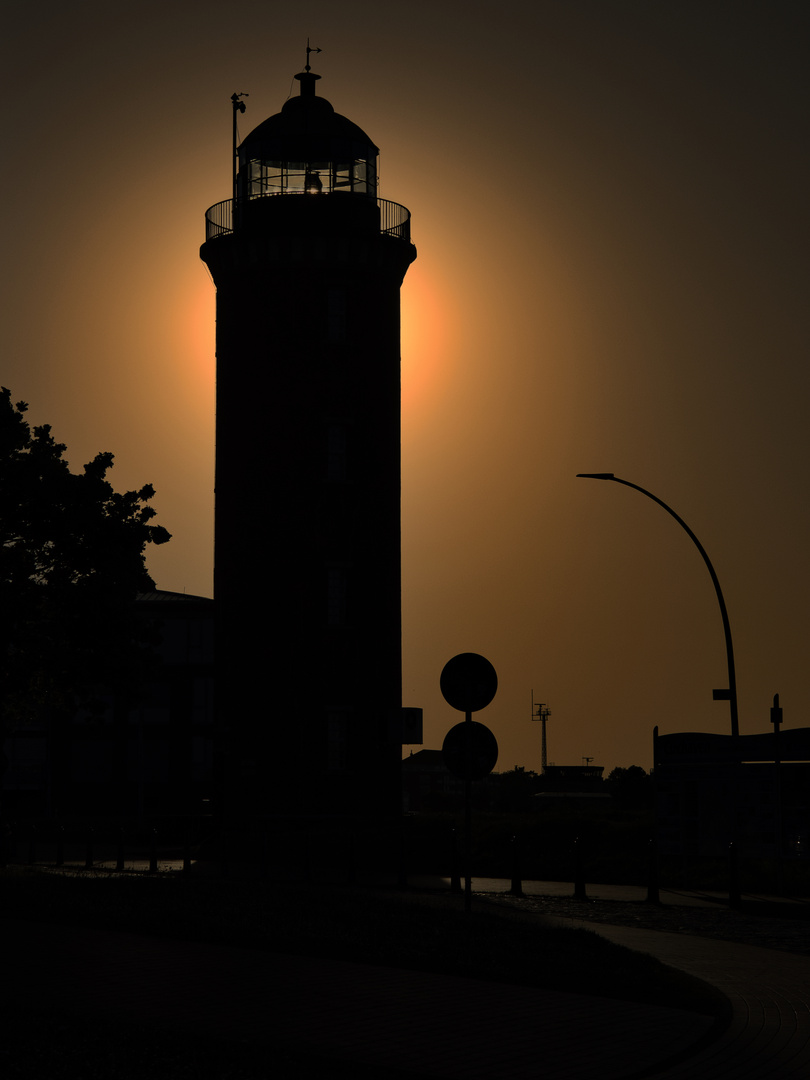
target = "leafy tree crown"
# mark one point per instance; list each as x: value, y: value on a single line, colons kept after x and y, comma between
x: 72, y: 560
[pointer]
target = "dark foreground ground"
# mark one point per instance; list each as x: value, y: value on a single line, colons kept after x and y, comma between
x: 506, y: 940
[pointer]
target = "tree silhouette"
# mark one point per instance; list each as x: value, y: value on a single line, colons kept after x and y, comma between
x: 71, y: 564
x: 632, y: 788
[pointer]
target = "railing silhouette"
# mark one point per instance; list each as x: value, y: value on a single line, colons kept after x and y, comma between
x: 219, y: 219
x: 395, y: 220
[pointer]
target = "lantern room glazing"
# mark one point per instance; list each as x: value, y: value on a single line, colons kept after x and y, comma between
x: 307, y: 148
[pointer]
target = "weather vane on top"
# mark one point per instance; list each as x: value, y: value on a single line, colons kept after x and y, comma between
x: 309, y: 50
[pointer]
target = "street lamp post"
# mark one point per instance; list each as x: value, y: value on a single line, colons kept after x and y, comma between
x: 719, y: 695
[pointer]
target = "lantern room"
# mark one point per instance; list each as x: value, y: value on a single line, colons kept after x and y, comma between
x: 307, y: 148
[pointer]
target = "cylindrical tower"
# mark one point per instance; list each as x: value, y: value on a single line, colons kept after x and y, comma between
x: 308, y: 263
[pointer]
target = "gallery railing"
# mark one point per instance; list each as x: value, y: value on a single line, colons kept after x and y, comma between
x: 395, y: 220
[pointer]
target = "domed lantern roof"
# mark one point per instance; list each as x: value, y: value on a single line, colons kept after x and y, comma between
x: 307, y: 147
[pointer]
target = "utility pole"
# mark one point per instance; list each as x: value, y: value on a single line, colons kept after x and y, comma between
x: 541, y: 712
x: 776, y: 720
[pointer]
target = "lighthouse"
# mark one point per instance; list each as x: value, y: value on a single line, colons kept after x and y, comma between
x: 308, y: 262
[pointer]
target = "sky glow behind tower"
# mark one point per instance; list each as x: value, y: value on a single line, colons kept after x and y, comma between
x: 612, y: 276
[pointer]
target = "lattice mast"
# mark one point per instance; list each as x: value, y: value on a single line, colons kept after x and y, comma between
x: 541, y: 712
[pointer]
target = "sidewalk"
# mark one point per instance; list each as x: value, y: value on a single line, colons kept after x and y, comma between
x: 344, y: 1019
x: 769, y: 1036
x: 350, y: 1018
x: 636, y: 893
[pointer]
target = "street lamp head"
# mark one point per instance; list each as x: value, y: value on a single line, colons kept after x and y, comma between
x: 596, y: 475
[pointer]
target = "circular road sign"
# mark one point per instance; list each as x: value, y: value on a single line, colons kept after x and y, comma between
x: 483, y: 750
x: 468, y: 682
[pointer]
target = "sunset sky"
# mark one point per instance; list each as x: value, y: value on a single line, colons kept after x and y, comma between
x: 610, y: 205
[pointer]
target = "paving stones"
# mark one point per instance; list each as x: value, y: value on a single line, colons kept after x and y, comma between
x: 354, y: 1019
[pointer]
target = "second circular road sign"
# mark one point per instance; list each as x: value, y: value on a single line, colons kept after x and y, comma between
x: 470, y: 750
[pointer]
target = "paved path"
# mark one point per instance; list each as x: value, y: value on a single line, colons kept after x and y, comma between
x: 380, y: 1022
x: 627, y: 893
x: 384, y: 1022
x: 769, y: 1036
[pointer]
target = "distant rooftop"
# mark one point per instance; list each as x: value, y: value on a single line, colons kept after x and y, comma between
x: 161, y: 596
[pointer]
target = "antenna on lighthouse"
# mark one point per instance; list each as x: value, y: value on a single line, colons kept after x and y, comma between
x: 238, y: 107
x: 541, y: 712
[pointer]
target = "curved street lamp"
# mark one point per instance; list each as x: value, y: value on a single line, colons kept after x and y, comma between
x: 729, y: 695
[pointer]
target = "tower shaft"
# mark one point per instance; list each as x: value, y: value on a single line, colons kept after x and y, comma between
x: 307, y: 527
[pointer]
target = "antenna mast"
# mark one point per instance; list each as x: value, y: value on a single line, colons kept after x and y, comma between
x: 238, y: 107
x: 541, y: 712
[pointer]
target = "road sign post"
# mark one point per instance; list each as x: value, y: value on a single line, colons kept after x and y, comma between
x: 470, y: 750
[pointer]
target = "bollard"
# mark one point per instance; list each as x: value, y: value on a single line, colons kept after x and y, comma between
x: 517, y: 880
x: 455, y: 873
x: 32, y: 845
x: 88, y: 851
x: 579, y: 873
x: 153, y: 863
x: 60, y: 846
x: 187, y: 850
x: 119, y: 855
x: 653, y: 895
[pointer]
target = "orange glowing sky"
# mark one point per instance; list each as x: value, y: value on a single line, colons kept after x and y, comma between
x: 609, y: 200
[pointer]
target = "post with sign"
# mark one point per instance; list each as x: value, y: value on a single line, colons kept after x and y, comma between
x: 470, y: 751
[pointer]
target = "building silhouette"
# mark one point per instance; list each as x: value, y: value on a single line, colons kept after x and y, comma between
x: 308, y: 264
x: 753, y: 789
x: 145, y: 756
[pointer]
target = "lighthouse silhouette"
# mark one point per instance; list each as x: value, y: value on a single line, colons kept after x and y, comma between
x: 308, y: 262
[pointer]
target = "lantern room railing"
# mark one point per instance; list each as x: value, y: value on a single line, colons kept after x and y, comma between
x: 395, y: 220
